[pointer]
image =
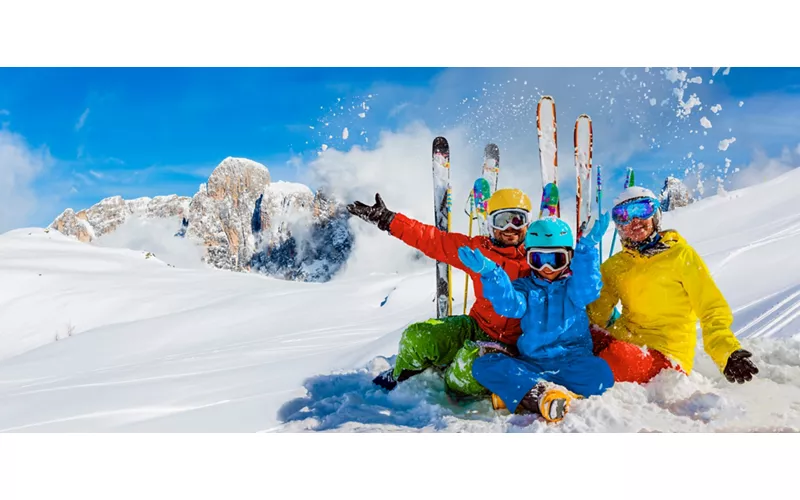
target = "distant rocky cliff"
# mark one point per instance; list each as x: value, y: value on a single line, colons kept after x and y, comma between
x: 243, y: 220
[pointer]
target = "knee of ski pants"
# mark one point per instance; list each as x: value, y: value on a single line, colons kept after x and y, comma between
x: 599, y: 377
x: 415, y: 335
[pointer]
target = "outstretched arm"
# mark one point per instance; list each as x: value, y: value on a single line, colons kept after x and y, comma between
x: 586, y: 282
x: 433, y: 242
x: 507, y: 299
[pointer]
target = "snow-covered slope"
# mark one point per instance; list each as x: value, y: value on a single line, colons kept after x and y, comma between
x: 147, y: 347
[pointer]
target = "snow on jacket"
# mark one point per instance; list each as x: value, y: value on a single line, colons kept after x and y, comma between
x: 662, y: 298
x: 554, y: 320
x: 443, y: 246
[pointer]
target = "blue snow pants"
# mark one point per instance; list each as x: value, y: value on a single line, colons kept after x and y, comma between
x: 512, y: 378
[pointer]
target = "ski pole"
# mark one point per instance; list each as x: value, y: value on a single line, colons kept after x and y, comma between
x: 466, y: 278
x: 600, y: 204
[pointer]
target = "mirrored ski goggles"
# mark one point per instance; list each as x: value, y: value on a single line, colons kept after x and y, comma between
x: 505, y: 219
x: 642, y: 208
x: 554, y: 258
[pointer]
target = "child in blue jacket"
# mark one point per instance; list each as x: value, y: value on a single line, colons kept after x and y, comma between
x: 555, y: 362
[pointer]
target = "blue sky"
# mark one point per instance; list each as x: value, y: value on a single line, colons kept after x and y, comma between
x: 90, y: 133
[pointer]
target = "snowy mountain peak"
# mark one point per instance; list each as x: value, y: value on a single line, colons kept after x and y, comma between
x: 240, y: 219
x: 237, y: 175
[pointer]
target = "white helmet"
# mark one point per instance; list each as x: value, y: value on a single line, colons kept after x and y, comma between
x: 632, y: 193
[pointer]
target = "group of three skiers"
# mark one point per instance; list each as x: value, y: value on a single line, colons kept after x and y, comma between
x: 544, y: 328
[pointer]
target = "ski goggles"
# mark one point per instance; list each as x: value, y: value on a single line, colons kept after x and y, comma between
x: 504, y: 219
x: 641, y: 208
x: 554, y: 258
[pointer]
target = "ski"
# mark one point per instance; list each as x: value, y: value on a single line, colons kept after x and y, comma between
x: 583, y: 171
x: 442, y: 202
x: 548, y: 154
x: 490, y: 171
x: 491, y: 165
x: 550, y: 202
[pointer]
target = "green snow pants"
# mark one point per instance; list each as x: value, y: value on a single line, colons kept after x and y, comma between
x: 443, y: 342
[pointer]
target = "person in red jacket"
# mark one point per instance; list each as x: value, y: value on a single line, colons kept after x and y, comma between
x: 455, y: 342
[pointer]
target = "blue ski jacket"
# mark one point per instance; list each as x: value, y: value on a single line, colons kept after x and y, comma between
x: 553, y: 314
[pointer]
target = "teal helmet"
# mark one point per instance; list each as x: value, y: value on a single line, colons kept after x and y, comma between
x: 550, y: 232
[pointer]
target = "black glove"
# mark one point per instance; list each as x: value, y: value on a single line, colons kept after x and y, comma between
x: 739, y: 368
x: 376, y: 214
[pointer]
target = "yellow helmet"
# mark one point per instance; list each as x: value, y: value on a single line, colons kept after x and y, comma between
x: 503, y: 199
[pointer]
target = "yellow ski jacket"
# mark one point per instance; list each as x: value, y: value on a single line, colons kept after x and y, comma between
x: 662, y: 297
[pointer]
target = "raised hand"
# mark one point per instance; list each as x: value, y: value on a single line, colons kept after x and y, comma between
x: 376, y: 214
x: 596, y: 234
x: 475, y: 261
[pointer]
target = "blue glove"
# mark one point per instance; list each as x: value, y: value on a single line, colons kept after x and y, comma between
x: 475, y: 261
x: 596, y: 234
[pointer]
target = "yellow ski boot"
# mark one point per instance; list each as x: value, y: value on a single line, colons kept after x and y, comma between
x: 549, y: 400
x: 498, y: 403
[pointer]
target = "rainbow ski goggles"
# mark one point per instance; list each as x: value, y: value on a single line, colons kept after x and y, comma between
x: 504, y: 219
x: 640, y: 208
x: 554, y: 258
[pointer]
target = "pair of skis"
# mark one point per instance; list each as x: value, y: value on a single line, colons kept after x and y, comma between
x: 476, y: 209
x: 547, y: 130
x: 485, y: 185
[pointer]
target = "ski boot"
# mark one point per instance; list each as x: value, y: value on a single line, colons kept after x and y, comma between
x: 497, y: 403
x: 549, y: 400
x: 386, y: 378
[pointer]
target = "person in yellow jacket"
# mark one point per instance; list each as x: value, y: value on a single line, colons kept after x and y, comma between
x: 664, y: 287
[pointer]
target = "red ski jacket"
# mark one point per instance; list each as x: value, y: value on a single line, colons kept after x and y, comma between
x: 443, y: 246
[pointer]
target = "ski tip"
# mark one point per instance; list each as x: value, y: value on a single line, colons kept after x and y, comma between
x: 441, y: 145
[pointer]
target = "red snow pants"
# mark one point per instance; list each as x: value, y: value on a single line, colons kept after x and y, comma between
x: 628, y: 362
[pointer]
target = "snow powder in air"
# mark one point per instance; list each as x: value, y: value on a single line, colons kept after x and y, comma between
x: 724, y: 143
x: 345, y: 134
x: 705, y: 122
x: 673, y: 75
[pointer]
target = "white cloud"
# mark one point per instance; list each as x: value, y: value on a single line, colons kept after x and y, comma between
x: 82, y: 119
x: 763, y: 168
x: 4, y: 112
x: 19, y: 167
x: 97, y: 175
